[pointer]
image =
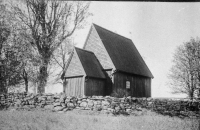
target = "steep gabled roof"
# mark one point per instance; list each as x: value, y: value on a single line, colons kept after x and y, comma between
x: 90, y: 63
x: 123, y: 53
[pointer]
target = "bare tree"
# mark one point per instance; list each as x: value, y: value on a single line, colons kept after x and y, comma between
x: 60, y: 59
x: 49, y: 23
x: 184, y: 74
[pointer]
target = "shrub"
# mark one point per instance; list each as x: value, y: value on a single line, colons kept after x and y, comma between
x: 119, y: 93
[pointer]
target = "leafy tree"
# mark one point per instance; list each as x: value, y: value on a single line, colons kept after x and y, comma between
x: 29, y: 59
x: 49, y: 23
x: 4, y: 34
x: 13, y: 51
x: 185, y: 73
x: 10, y: 65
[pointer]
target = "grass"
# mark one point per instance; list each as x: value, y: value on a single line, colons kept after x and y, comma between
x: 78, y: 120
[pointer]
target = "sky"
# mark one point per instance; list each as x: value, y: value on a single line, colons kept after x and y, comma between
x: 156, y: 29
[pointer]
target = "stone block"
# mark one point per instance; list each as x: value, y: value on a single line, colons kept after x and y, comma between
x: 56, y: 104
x: 79, y: 102
x: 98, y: 107
x: 90, y: 103
x: 117, y: 108
x: 58, y: 108
x: 111, y: 110
x: 65, y: 109
x: 122, y: 106
x: 83, y: 104
x: 104, y: 107
x: 63, y: 104
x: 70, y: 105
x: 105, y: 103
x: 73, y: 100
x: 128, y: 110
x: 18, y: 102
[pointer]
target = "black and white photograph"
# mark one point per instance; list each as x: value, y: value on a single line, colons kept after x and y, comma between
x: 99, y: 65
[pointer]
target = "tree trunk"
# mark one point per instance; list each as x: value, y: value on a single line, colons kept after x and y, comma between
x: 26, y: 84
x: 25, y: 76
x: 191, y: 94
x: 64, y: 85
x: 43, y: 75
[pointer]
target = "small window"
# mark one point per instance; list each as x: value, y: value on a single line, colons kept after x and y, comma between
x: 128, y: 84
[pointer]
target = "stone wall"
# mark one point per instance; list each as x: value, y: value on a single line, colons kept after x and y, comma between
x: 129, y: 105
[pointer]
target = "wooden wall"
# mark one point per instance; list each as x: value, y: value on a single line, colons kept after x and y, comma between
x: 75, y: 87
x: 94, y: 87
x: 109, y: 82
x: 139, y: 86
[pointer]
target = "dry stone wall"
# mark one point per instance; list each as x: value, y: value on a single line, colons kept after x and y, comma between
x: 128, y: 105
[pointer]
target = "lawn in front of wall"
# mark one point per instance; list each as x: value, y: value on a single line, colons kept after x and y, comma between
x: 79, y: 120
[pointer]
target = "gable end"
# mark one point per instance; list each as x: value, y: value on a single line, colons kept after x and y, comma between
x: 74, y: 67
x: 94, y: 43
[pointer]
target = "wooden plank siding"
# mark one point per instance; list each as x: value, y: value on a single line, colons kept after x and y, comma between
x: 74, y: 87
x: 109, y: 83
x: 94, y: 87
x: 140, y: 86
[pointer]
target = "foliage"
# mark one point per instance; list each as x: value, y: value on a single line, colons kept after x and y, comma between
x: 60, y: 57
x: 47, y: 24
x: 185, y: 73
x: 120, y: 93
x: 29, y: 58
x: 15, y: 53
x: 10, y: 65
x: 59, y: 62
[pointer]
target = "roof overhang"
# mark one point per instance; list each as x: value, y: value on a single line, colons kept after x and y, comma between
x: 69, y: 77
x: 131, y: 73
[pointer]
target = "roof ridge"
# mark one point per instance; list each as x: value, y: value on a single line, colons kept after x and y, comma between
x: 112, y: 32
x: 84, y: 50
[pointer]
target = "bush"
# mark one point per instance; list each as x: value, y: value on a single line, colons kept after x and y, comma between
x: 119, y: 93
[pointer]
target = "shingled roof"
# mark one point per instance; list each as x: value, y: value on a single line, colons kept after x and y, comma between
x: 90, y: 63
x: 123, y: 53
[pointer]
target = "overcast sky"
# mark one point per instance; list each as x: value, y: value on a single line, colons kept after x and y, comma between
x: 155, y: 28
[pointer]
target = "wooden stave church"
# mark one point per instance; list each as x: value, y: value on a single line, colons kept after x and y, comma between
x: 119, y: 66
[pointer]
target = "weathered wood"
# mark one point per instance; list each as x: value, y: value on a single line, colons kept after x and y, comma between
x: 74, y: 76
x: 109, y: 83
x: 94, y: 87
x: 74, y: 87
x: 140, y: 86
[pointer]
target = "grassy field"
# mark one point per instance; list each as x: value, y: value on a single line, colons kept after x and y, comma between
x: 77, y: 120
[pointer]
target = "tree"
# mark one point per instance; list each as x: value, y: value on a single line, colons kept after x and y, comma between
x: 14, y: 52
x: 29, y: 59
x: 10, y: 65
x: 7, y: 65
x: 185, y: 73
x: 60, y: 59
x: 49, y: 23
